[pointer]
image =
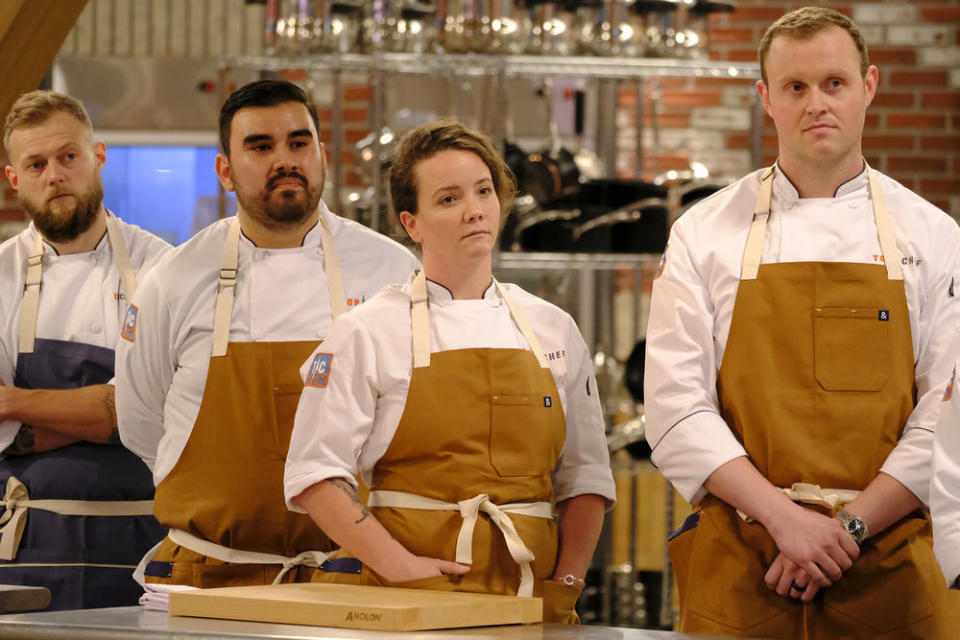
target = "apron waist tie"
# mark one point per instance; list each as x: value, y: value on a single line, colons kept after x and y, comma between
x: 240, y: 556
x: 807, y: 493
x: 17, y: 502
x: 469, y: 510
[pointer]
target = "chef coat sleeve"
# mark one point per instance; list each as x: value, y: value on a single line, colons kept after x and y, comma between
x: 909, y: 462
x: 945, y: 484
x: 8, y: 428
x: 683, y: 425
x: 584, y: 465
x: 145, y: 363
x: 336, y: 414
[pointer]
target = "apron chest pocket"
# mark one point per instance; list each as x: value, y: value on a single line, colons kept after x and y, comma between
x: 852, y: 349
x: 519, y: 425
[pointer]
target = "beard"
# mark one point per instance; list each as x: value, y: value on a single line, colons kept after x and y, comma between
x: 279, y: 207
x: 66, y: 226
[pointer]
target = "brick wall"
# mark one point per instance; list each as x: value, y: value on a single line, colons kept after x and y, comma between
x: 913, y: 126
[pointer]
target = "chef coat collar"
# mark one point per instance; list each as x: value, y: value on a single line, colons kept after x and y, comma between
x: 439, y: 294
x: 786, y: 193
x: 49, y: 249
x: 313, y: 237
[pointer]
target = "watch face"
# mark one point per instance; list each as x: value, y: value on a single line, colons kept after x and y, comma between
x: 856, y: 528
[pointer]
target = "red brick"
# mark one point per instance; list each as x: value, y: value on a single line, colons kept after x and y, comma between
x: 940, y: 143
x: 938, y: 185
x: 351, y: 179
x: 742, y: 141
x: 12, y: 214
x: 872, y: 121
x: 918, y: 78
x: 956, y: 165
x: 916, y: 121
x: 325, y: 115
x: 943, y: 205
x: 756, y: 13
x: 943, y: 15
x: 722, y: 83
x: 355, y: 135
x: 914, y: 163
x: 907, y: 182
x: 360, y: 93
x: 893, y: 56
x: 691, y: 98
x: 873, y: 160
x: 354, y: 115
x: 742, y: 55
x: 955, y: 119
x: 736, y: 36
x: 294, y: 75
x: 943, y: 99
x: 893, y: 100
x: 887, y: 142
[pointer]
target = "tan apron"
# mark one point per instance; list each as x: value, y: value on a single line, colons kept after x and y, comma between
x: 817, y: 382
x: 223, y: 500
x: 468, y: 474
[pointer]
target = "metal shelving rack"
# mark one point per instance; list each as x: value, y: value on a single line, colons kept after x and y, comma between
x: 608, y: 70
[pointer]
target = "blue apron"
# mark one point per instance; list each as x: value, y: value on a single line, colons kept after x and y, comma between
x: 86, y: 561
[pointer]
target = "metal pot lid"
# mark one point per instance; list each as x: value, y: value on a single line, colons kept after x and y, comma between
x: 655, y: 6
x: 704, y: 7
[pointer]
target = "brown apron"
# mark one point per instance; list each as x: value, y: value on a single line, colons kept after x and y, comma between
x: 223, y: 500
x: 817, y: 382
x: 468, y: 474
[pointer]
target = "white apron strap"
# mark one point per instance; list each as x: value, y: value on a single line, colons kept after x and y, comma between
x: 121, y: 257
x: 239, y: 556
x: 228, y: 283
x: 420, y: 321
x: 226, y: 289
x: 469, y: 511
x: 331, y: 264
x: 17, y: 502
x: 758, y: 229
x: 761, y: 213
x: 31, y: 296
x: 888, y: 241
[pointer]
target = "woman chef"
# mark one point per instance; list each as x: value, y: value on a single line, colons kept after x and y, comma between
x: 468, y: 406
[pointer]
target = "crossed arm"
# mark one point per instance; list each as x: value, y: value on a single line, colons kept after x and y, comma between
x: 53, y: 418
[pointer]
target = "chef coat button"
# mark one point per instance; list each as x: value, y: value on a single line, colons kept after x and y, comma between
x: 95, y: 327
x: 319, y: 251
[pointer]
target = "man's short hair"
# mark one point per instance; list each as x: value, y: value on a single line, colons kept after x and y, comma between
x: 36, y: 107
x: 804, y: 24
x: 430, y: 139
x: 262, y: 93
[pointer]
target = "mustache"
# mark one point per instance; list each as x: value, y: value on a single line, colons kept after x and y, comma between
x: 272, y: 182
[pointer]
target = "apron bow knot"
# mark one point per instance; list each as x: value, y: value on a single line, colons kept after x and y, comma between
x: 14, y: 518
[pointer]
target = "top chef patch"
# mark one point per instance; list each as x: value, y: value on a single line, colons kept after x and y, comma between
x: 948, y: 393
x: 319, y: 374
x: 129, y: 330
x: 663, y: 263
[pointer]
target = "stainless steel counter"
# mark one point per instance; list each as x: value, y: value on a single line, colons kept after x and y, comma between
x: 137, y: 623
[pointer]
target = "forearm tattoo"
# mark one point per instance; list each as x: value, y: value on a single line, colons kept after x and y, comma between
x: 348, y: 489
x: 23, y: 443
x: 110, y: 405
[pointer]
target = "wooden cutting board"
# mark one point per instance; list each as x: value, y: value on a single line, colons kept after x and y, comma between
x: 356, y: 607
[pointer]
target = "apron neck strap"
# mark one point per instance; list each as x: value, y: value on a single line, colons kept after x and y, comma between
x: 420, y: 321
x: 753, y: 253
x: 33, y: 283
x: 228, y: 283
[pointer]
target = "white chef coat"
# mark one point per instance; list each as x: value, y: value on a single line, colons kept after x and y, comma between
x: 693, y: 300
x: 281, y: 295
x: 945, y: 483
x: 346, y: 427
x: 81, y: 300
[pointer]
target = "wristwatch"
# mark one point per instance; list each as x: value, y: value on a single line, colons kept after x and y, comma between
x: 853, y: 525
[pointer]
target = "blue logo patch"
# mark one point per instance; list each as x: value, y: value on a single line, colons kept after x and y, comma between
x: 883, y: 315
x: 320, y: 368
x: 129, y: 330
x: 547, y: 401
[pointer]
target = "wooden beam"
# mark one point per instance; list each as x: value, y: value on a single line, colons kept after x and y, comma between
x: 31, y: 34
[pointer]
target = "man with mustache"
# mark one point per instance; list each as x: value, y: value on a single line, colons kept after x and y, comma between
x: 63, y: 298
x: 801, y: 333
x: 208, y: 386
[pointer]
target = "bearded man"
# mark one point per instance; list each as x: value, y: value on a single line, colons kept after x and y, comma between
x: 63, y: 297
x: 208, y: 368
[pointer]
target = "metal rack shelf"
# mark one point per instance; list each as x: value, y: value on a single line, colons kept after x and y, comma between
x: 512, y: 66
